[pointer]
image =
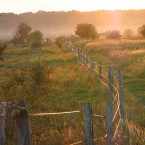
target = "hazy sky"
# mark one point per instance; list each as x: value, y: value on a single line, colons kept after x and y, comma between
x: 20, y: 6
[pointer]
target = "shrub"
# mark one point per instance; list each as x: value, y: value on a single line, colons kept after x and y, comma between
x: 2, y: 48
x: 60, y: 41
x: 141, y: 30
x: 115, y: 34
x: 35, y: 38
x: 87, y: 31
x: 128, y: 33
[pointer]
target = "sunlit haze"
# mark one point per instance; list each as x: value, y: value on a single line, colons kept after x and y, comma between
x: 20, y: 6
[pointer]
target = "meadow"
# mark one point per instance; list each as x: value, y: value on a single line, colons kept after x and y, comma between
x: 51, y: 79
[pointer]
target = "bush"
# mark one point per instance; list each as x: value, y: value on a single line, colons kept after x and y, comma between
x: 141, y: 30
x: 113, y: 34
x: 60, y: 41
x: 87, y: 31
x: 35, y: 38
x: 128, y: 33
x: 2, y: 48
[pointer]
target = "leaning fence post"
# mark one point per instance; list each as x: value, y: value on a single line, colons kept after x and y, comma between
x: 92, y: 64
x: 109, y: 123
x: 110, y: 79
x: 22, y: 126
x: 100, y: 70
x: 88, y: 123
x: 121, y: 96
x: 2, y: 125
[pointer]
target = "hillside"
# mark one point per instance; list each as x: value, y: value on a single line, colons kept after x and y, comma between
x: 64, y: 23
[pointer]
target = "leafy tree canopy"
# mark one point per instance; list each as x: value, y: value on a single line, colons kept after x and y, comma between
x: 21, y: 34
x: 87, y: 31
x: 141, y: 30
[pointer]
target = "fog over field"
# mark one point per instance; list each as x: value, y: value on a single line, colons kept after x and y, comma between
x: 64, y: 23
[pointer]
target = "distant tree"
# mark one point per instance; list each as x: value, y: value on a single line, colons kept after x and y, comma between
x: 2, y: 48
x: 115, y: 34
x: 141, y: 30
x: 87, y: 31
x: 128, y: 33
x: 21, y: 34
x: 35, y: 38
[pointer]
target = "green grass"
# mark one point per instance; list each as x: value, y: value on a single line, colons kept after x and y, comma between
x: 50, y: 79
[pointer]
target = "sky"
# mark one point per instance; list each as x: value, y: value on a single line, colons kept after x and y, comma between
x: 21, y: 6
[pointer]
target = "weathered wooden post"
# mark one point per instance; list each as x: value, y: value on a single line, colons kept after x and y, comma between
x: 100, y: 70
x: 22, y: 126
x: 92, y: 64
x: 2, y: 125
x: 81, y: 54
x: 109, y: 123
x: 110, y: 79
x: 86, y: 59
x: 121, y: 96
x: 78, y: 55
x: 88, y: 123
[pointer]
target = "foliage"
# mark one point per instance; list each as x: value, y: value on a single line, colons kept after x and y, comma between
x: 141, y: 30
x: 115, y: 34
x: 60, y: 41
x: 21, y: 34
x: 87, y: 31
x: 73, y: 38
x: 35, y: 38
x: 2, y: 48
x: 128, y: 33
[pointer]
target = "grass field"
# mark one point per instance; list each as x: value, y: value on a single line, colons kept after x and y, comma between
x: 50, y: 79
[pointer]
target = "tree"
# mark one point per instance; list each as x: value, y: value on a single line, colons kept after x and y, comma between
x: 21, y: 34
x: 115, y: 34
x: 128, y: 33
x: 141, y: 30
x: 35, y: 38
x: 87, y: 31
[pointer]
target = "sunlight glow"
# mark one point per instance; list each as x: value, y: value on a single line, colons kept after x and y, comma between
x: 19, y: 6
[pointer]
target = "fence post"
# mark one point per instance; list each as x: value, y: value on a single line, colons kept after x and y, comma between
x: 121, y: 96
x: 81, y: 54
x: 100, y: 70
x: 22, y: 126
x: 92, y: 64
x: 110, y: 79
x: 78, y: 55
x: 109, y: 123
x: 2, y: 126
x: 88, y: 123
x: 73, y: 46
x: 86, y: 59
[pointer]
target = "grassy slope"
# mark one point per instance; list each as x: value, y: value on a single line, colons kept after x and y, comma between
x: 65, y: 86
